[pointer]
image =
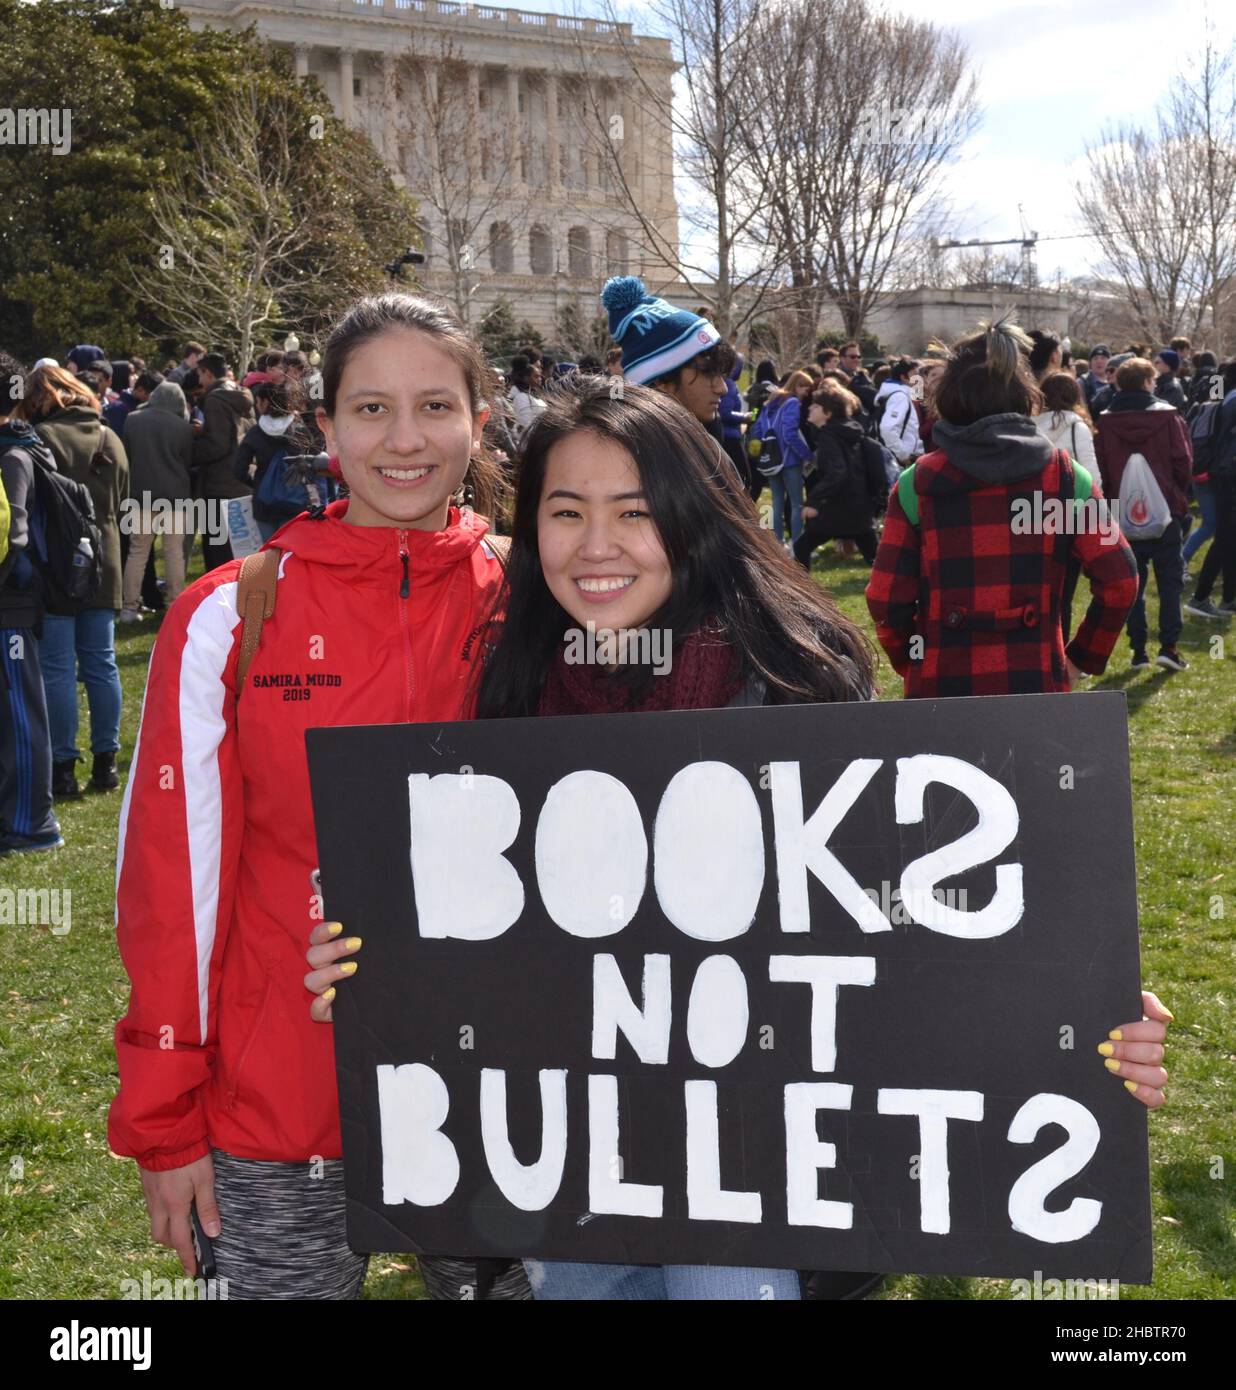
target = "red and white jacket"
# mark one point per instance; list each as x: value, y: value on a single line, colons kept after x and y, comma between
x: 214, y: 904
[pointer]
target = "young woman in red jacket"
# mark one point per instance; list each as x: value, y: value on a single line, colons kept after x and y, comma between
x: 227, y: 1091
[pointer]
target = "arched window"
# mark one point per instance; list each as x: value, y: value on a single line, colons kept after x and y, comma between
x: 540, y: 251
x: 501, y: 247
x: 617, y: 257
x: 579, y: 252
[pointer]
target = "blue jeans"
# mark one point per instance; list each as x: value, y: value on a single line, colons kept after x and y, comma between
x: 787, y: 485
x: 559, y: 1280
x: 81, y: 647
x: 1205, y: 495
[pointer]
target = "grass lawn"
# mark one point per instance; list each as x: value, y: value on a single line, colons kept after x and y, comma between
x: 72, y: 1219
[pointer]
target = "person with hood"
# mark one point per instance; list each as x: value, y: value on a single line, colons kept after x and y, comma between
x: 846, y: 491
x: 379, y: 605
x: 1168, y: 388
x: 27, y: 821
x: 1137, y: 423
x: 279, y: 430
x: 160, y: 448
x: 227, y: 412
x: 962, y: 568
x: 895, y: 410
x: 65, y: 415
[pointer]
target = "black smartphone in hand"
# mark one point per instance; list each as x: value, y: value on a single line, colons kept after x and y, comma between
x: 202, y: 1247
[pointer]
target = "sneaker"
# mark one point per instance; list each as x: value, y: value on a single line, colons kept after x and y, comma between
x: 64, y: 780
x: 1140, y: 662
x: 1202, y: 608
x: 11, y: 843
x: 130, y: 615
x: 1171, y: 658
x: 1227, y: 609
x: 103, y: 777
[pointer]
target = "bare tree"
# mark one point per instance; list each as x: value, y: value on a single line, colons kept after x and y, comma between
x: 1140, y: 201
x: 727, y: 262
x: 229, y: 241
x: 863, y: 112
x: 463, y: 162
x: 1161, y: 204
x: 1202, y: 117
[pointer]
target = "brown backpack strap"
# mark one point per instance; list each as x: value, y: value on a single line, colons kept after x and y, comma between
x: 256, y: 591
x: 501, y: 547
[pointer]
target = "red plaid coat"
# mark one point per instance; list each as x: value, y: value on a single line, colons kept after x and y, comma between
x: 964, y: 605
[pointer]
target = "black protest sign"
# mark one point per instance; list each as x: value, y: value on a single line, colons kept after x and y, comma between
x: 815, y: 987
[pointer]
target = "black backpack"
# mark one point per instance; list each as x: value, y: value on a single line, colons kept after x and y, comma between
x: 1203, y: 422
x: 68, y: 545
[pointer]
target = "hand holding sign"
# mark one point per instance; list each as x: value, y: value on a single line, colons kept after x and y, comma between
x: 680, y: 1029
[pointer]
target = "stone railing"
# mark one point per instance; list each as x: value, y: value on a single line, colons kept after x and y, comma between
x: 486, y: 16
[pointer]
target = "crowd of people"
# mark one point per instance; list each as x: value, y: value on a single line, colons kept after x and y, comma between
x: 836, y: 441
x: 634, y: 484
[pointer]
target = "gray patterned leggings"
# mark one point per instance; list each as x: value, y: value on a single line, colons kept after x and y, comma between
x: 284, y: 1236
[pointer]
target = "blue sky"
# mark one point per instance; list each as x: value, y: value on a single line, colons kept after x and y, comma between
x: 1052, y: 74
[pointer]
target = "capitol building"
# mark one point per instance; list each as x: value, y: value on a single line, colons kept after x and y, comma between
x: 516, y: 133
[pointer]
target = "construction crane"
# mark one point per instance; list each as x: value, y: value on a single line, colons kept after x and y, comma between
x: 1028, y: 241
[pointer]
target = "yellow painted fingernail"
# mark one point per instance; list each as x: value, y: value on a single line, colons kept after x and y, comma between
x: 1106, y: 1049
x: 328, y: 994
x: 1116, y: 1035
x: 353, y: 943
x: 334, y: 928
x: 1131, y: 1085
x: 1111, y: 1064
x: 348, y: 967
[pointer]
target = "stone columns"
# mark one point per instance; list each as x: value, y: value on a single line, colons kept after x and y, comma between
x: 514, y: 128
x: 554, y: 147
x: 346, y: 108
x: 390, y: 112
x: 473, y: 140
x: 301, y: 52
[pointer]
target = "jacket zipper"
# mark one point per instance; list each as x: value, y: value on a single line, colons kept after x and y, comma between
x: 404, y: 592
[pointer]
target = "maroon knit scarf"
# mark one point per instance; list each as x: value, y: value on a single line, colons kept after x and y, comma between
x: 706, y: 674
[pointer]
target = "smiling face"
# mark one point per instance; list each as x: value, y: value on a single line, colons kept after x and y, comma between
x: 600, y: 552
x: 403, y: 430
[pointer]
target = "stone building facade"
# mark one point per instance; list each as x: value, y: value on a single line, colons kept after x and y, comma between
x: 504, y: 125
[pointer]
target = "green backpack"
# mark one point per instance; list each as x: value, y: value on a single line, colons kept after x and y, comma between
x: 909, y: 498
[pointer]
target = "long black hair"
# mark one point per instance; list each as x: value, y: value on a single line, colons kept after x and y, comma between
x: 727, y: 571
